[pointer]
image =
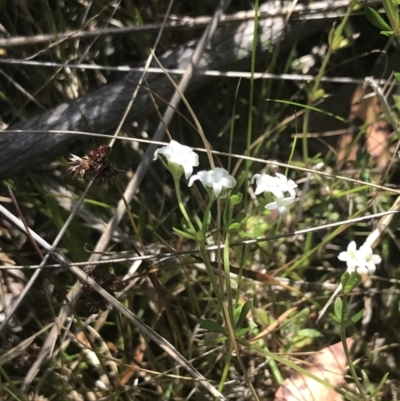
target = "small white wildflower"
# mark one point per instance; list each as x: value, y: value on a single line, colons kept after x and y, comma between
x: 363, y: 260
x: 277, y: 185
x: 367, y: 260
x: 350, y: 256
x: 218, y: 179
x: 179, y: 155
x: 281, y: 204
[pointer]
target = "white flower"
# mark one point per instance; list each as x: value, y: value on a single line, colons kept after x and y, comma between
x: 180, y: 155
x: 350, y: 257
x: 367, y: 260
x: 281, y: 204
x: 218, y: 179
x: 363, y: 260
x: 277, y: 185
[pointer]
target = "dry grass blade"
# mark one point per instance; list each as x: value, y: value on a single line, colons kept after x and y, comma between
x: 19, y: 349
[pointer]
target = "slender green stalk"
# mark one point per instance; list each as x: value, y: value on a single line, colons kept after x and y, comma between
x: 346, y: 348
x: 217, y: 288
x: 182, y: 205
x: 226, y: 367
x: 239, y: 358
x: 240, y: 274
x: 205, y: 225
x: 228, y: 277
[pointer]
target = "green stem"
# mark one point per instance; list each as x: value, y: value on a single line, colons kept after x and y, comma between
x: 205, y: 225
x: 181, y: 204
x: 227, y: 270
x: 346, y: 348
x: 218, y: 288
x: 215, y: 286
x: 226, y: 367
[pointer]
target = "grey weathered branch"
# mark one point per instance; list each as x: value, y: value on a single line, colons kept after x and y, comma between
x: 101, y: 110
x: 182, y: 23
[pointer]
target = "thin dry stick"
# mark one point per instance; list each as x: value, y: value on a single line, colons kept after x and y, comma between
x: 32, y: 98
x: 179, y: 71
x: 185, y: 23
x: 213, y: 248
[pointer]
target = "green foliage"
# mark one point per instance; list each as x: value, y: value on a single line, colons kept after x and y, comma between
x: 209, y: 304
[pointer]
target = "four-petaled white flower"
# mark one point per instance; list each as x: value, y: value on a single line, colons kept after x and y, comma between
x: 277, y: 185
x: 180, y: 155
x: 281, y: 204
x: 349, y: 256
x: 363, y: 260
x: 218, y: 179
x: 368, y: 260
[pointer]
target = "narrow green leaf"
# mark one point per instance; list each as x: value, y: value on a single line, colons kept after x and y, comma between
x: 226, y: 216
x: 235, y: 227
x: 387, y: 33
x: 331, y: 37
x: 355, y: 318
x: 352, y: 281
x: 212, y: 326
x: 397, y: 76
x: 310, y: 333
x: 236, y: 313
x: 380, y: 385
x: 392, y: 13
x: 338, y: 305
x: 344, y: 279
x: 241, y: 332
x: 375, y: 19
x: 183, y: 233
x: 243, y: 313
x: 306, y: 106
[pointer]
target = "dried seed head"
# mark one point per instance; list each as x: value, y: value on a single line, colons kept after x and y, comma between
x: 95, y: 164
x: 92, y: 299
